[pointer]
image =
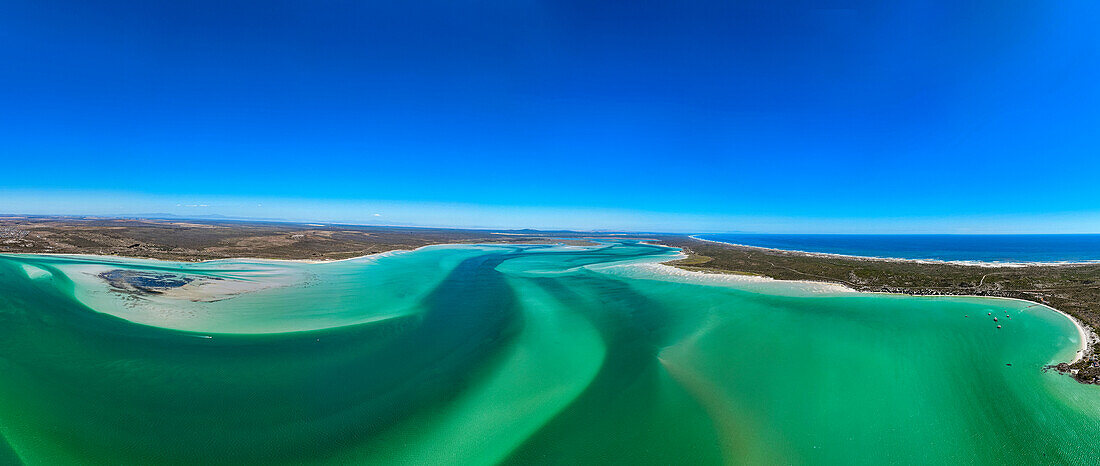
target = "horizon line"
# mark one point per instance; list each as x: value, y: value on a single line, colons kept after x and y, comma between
x: 219, y: 217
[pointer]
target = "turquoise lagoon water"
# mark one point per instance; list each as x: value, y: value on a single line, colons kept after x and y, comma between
x: 519, y: 354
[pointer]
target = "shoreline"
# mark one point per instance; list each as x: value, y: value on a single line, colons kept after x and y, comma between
x: 1072, y: 290
x: 967, y: 263
x: 259, y: 259
x: 204, y: 261
x: 1087, y: 336
x: 665, y: 267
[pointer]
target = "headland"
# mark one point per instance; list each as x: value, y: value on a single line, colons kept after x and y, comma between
x: 1073, y: 289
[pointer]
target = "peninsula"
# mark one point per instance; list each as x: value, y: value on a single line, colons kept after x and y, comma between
x: 1073, y: 288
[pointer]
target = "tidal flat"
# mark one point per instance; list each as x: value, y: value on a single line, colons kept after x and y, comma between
x: 496, y: 353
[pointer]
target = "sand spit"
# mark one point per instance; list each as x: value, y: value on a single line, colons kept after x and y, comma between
x: 899, y: 259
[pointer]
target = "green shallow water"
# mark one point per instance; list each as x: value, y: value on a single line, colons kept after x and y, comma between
x: 520, y: 354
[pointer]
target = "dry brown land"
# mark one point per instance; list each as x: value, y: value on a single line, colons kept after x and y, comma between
x: 196, y: 240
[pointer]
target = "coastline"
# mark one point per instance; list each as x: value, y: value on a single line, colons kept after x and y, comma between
x: 970, y: 263
x: 260, y: 259
x: 204, y: 261
x: 1072, y: 290
x: 1087, y: 337
x: 665, y: 268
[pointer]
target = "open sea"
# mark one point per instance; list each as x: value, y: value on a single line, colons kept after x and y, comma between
x: 493, y: 354
x: 964, y: 248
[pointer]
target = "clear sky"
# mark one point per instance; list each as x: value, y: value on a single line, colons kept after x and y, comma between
x: 827, y: 116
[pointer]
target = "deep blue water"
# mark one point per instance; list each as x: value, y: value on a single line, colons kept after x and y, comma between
x: 984, y: 248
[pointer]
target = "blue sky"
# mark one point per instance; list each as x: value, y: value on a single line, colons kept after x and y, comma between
x: 829, y: 116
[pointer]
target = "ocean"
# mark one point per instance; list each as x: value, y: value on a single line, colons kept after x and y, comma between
x: 964, y: 248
